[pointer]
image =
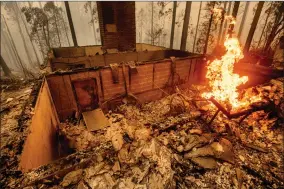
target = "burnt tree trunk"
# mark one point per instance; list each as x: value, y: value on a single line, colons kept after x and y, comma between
x: 71, y: 23
x: 208, y: 31
x: 222, y: 23
x: 265, y: 23
x: 6, y: 69
x: 173, y: 24
x: 235, y: 13
x: 225, y: 26
x: 185, y: 26
x: 253, y: 26
x: 197, y: 24
x: 243, y: 19
x: 277, y: 27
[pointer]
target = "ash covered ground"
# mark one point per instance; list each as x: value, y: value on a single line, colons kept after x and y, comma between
x: 162, y: 144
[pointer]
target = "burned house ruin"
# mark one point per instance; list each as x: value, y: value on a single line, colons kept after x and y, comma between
x: 97, y: 104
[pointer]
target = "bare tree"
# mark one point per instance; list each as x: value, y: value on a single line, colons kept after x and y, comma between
x: 222, y: 22
x: 225, y: 25
x: 140, y: 21
x: 92, y: 9
x: 243, y: 19
x: 173, y: 24
x: 234, y: 14
x: 200, y: 5
x: 253, y: 26
x: 65, y: 28
x: 71, y: 23
x: 208, y: 31
x: 277, y: 24
x: 268, y: 11
x: 5, y: 68
x: 185, y: 26
x: 9, y: 49
x: 53, y: 15
x: 15, y: 15
x: 14, y: 46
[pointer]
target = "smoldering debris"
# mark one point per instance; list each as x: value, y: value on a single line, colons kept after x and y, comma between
x: 169, y: 144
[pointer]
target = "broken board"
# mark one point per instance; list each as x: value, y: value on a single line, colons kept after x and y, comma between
x: 95, y: 119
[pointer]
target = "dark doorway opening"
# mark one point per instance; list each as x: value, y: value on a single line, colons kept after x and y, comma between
x: 86, y: 93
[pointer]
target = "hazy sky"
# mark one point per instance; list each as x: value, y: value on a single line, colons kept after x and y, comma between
x: 85, y: 35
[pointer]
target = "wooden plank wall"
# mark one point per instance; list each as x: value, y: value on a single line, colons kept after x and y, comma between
x: 146, y: 84
x: 41, y: 145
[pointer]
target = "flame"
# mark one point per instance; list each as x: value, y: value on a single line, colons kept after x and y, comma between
x: 218, y: 13
x: 223, y: 81
x: 231, y: 19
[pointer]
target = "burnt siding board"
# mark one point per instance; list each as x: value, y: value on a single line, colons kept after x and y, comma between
x: 106, y: 59
x: 151, y: 76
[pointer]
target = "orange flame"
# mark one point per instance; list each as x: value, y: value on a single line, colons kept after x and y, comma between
x: 223, y: 81
x: 221, y: 77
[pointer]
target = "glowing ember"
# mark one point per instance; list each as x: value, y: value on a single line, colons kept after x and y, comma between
x: 222, y: 80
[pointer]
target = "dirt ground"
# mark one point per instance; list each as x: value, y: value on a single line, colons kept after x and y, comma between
x: 163, y: 144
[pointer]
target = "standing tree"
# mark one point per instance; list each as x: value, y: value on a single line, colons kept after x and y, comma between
x: 228, y: 12
x: 208, y: 30
x: 92, y: 8
x: 13, y: 45
x: 38, y: 38
x: 253, y: 26
x: 6, y: 69
x: 140, y: 22
x: 267, y: 11
x: 71, y: 23
x: 65, y: 28
x: 222, y: 22
x: 185, y: 26
x: 39, y: 24
x: 27, y: 31
x: 53, y: 15
x: 197, y: 24
x: 173, y: 24
x: 243, y: 19
x: 156, y: 30
x: 15, y: 15
x: 276, y: 24
x: 164, y: 13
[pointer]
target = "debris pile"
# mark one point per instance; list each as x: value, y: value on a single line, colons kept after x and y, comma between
x: 17, y: 101
x: 169, y: 144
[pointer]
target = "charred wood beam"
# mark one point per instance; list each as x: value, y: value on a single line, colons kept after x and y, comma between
x: 252, y: 109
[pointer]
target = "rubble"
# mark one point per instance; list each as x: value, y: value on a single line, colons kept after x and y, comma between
x: 168, y: 144
x: 17, y: 101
